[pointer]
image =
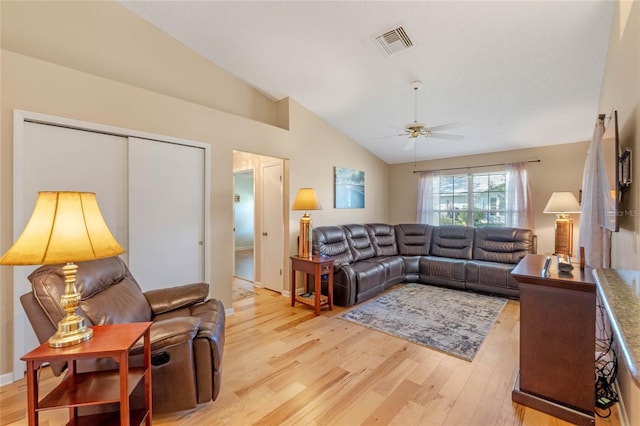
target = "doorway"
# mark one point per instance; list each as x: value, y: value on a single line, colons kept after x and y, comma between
x: 264, y: 186
x: 244, y: 218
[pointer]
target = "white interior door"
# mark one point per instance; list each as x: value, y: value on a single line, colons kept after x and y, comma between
x: 166, y: 213
x: 53, y: 158
x: 272, y: 227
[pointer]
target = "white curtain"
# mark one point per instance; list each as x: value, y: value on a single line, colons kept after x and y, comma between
x: 519, y: 207
x: 428, y: 197
x: 595, y: 192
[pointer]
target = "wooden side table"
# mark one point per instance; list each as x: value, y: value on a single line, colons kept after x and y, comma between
x: 557, y: 341
x: 96, y: 387
x: 318, y: 266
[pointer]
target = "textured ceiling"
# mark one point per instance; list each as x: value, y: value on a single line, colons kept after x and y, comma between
x: 514, y: 74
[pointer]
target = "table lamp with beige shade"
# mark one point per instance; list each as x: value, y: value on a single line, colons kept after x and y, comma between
x: 65, y: 227
x: 306, y: 200
x: 562, y: 204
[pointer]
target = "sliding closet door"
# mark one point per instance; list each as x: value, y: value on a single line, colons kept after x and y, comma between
x: 53, y: 158
x: 166, y: 213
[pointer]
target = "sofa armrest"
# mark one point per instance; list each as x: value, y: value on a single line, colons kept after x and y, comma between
x: 169, y: 332
x: 212, y: 327
x: 168, y: 299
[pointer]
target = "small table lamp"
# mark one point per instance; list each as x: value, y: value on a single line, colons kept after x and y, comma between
x: 306, y: 200
x: 65, y: 227
x: 563, y: 203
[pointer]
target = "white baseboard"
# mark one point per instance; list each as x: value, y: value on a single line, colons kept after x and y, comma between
x: 5, y: 379
x: 622, y: 411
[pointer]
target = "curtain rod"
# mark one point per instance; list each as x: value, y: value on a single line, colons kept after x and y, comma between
x: 470, y: 167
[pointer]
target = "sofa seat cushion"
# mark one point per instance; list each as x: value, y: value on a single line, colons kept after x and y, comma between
x: 491, y: 274
x: 411, y: 264
x: 369, y: 277
x: 442, y: 267
x: 393, y: 268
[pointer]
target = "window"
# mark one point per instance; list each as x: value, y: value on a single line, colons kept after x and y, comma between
x: 477, y: 199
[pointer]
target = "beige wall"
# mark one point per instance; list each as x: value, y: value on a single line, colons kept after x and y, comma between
x: 621, y: 91
x: 312, y: 148
x: 105, y: 39
x: 560, y: 169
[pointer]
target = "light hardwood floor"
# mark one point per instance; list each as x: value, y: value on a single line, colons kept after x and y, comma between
x: 284, y: 365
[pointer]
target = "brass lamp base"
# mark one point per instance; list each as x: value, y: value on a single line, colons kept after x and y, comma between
x: 306, y: 236
x: 71, y: 331
x: 564, y: 235
x: 71, y: 328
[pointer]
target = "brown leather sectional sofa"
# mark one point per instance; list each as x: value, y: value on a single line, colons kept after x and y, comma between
x: 372, y: 257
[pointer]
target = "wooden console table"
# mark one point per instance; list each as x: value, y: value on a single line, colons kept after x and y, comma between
x: 557, y: 341
x: 318, y: 266
x: 96, y: 387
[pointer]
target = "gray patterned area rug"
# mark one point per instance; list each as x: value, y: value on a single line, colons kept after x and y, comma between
x: 452, y: 321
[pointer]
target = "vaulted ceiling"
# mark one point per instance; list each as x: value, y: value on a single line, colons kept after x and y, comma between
x: 512, y: 74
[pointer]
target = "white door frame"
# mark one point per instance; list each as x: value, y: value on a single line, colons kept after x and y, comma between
x: 19, y: 118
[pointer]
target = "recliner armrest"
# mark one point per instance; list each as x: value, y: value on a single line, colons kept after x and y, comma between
x: 168, y: 299
x: 170, y: 332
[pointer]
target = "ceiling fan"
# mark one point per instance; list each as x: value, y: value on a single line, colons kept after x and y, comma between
x: 416, y: 129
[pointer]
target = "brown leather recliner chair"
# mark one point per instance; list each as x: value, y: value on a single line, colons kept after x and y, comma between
x: 187, y: 335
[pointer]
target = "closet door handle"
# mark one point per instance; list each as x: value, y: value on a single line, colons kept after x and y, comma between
x: 264, y: 234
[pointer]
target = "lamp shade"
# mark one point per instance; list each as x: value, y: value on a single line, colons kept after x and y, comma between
x: 64, y: 227
x: 562, y: 202
x: 306, y: 200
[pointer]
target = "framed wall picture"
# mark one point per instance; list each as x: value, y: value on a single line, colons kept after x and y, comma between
x: 349, y: 189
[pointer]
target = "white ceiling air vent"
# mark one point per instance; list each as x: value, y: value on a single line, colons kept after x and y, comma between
x: 395, y: 41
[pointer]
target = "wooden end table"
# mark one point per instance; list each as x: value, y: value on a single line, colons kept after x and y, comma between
x: 318, y: 266
x: 96, y: 387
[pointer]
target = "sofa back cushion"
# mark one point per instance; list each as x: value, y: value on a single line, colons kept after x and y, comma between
x: 332, y: 241
x: 108, y: 292
x: 504, y: 245
x: 359, y: 242
x: 414, y: 239
x: 455, y: 242
x: 383, y: 238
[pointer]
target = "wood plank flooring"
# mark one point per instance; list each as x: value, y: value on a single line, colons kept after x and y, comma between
x: 285, y: 366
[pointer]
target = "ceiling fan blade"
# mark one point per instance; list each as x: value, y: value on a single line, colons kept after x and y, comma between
x: 444, y: 126
x: 389, y: 136
x: 446, y: 136
x: 409, y: 144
